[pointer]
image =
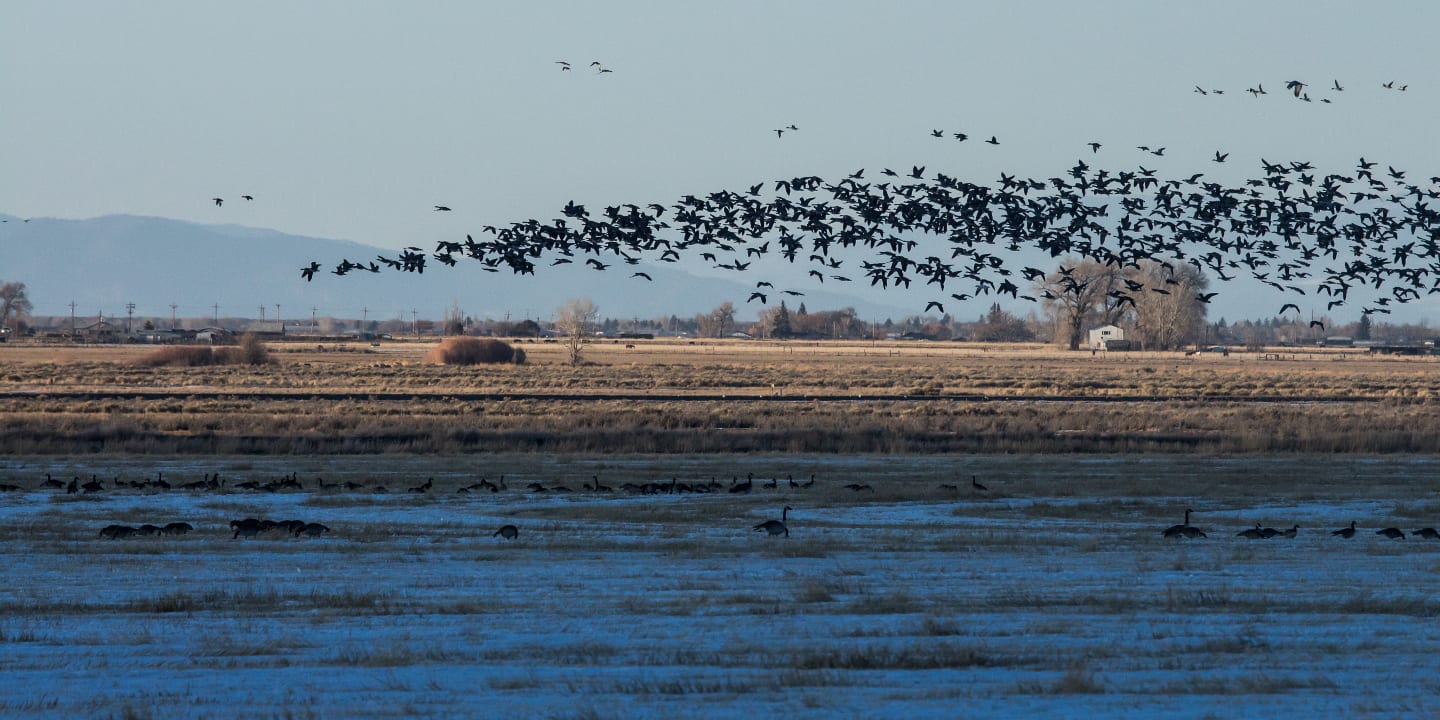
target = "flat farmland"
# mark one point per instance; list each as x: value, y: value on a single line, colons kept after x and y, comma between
x: 1052, y: 591
x: 638, y: 586
x: 720, y: 396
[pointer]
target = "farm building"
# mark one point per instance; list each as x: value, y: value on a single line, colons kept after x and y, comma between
x: 98, y: 332
x: 1108, y: 337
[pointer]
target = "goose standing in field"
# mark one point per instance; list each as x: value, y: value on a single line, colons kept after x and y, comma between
x: 1346, y: 533
x: 1184, y: 529
x: 1428, y: 533
x: 975, y: 484
x: 1251, y: 533
x: 1269, y: 532
x: 739, y: 487
x: 776, y: 527
x: 1291, y: 533
x: 509, y: 532
x: 1392, y: 533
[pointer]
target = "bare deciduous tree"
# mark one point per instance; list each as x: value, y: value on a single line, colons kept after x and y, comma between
x: 1079, y: 294
x: 575, y: 320
x: 718, y: 322
x: 1167, y: 311
x: 14, y: 302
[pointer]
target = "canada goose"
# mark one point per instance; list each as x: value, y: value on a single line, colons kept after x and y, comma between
x: 249, y: 527
x: 1269, y: 532
x: 429, y: 482
x: 6, y: 487
x: 808, y: 484
x: 1345, y: 532
x: 51, y: 482
x: 1251, y: 533
x: 310, y: 530
x: 1392, y: 533
x: 974, y: 483
x: 1184, y: 529
x: 1428, y: 533
x: 147, y: 530
x: 509, y: 532
x: 776, y: 527
x: 1291, y: 533
x: 859, y: 487
x: 949, y: 486
x: 115, y: 532
x: 176, y: 528
x: 92, y: 486
x: 739, y: 487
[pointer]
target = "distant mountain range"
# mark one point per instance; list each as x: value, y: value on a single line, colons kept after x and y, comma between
x: 103, y: 263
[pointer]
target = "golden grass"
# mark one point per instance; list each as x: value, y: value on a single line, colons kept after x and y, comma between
x: 718, y: 396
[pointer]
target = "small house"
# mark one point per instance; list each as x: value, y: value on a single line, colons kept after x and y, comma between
x: 1108, y: 337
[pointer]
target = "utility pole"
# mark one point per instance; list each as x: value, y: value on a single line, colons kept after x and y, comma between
x: 262, y: 313
x: 217, y: 315
x: 129, y: 316
x: 364, y: 321
x: 173, y: 326
x: 72, y: 318
x: 312, y: 319
x: 415, y: 322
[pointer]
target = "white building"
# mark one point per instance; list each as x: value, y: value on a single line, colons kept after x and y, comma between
x: 1100, y: 337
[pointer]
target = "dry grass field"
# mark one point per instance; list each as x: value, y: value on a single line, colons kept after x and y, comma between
x: 720, y: 396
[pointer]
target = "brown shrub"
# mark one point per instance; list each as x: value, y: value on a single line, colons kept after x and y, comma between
x: 250, y: 352
x: 473, y: 351
x: 179, y: 356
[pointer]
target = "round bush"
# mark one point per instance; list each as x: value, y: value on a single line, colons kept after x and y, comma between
x: 473, y: 351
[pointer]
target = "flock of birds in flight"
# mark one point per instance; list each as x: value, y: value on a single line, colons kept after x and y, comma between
x: 1293, y: 227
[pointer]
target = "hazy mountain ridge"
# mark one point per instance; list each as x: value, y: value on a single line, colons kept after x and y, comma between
x: 103, y: 263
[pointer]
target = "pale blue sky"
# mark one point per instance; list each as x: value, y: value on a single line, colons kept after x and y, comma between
x: 351, y: 119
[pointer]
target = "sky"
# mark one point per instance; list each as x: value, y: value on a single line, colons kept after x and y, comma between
x: 352, y: 120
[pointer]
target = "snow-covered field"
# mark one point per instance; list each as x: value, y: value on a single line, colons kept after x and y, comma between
x: 1052, y: 592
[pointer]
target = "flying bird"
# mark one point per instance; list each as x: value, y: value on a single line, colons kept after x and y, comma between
x: 441, y: 208
x: 1295, y: 86
x: 1095, y: 147
x: 992, y: 141
x: 218, y: 201
x: 309, y: 272
x: 642, y: 275
x: 247, y: 197
x: 1220, y: 157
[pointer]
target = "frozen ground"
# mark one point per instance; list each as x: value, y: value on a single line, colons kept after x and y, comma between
x: 1052, y: 593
